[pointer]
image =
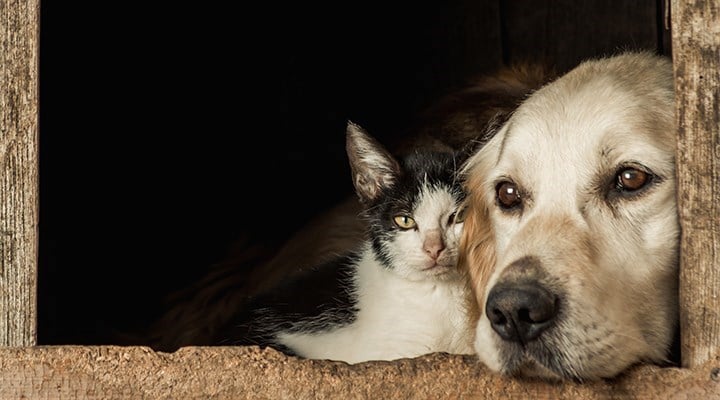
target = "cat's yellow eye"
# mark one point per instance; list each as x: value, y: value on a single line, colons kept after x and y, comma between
x: 404, y: 222
x: 460, y: 215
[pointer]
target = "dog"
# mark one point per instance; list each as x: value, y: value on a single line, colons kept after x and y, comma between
x: 571, y: 235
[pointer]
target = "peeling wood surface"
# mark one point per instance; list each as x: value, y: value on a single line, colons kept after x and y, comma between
x: 249, y: 372
x: 19, y: 22
x: 696, y: 58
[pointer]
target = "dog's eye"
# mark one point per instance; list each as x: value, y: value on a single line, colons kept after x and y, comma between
x: 632, y: 179
x: 508, y: 195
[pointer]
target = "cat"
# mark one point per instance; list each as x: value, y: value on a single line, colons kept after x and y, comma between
x: 399, y: 294
x: 466, y: 114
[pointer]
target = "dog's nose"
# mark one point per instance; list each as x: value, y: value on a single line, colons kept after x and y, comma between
x: 520, y: 312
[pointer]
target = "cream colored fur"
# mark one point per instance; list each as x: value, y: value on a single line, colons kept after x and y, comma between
x: 612, y: 260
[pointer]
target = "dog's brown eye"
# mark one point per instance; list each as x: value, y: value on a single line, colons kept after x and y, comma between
x: 508, y: 195
x: 631, y: 179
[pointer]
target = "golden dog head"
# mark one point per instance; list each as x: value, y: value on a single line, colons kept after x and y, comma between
x: 571, y: 236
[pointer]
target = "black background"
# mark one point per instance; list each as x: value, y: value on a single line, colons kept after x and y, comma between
x: 167, y: 131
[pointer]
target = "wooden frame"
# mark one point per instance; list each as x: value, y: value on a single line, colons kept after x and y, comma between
x: 696, y: 43
x: 19, y: 178
x: 27, y: 370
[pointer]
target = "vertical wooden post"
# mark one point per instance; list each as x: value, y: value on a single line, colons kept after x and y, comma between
x: 19, y: 32
x: 696, y: 58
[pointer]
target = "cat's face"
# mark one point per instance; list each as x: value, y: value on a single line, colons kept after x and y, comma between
x: 411, y: 206
x: 428, y: 249
x: 415, y: 224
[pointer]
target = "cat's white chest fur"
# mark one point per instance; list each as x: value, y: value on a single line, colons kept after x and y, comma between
x: 397, y: 318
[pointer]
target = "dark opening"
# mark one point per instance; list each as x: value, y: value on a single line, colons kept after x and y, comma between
x: 167, y: 131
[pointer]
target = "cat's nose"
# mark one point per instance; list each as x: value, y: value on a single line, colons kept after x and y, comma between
x: 433, y: 244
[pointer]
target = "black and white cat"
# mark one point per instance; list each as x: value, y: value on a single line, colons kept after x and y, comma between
x: 399, y: 295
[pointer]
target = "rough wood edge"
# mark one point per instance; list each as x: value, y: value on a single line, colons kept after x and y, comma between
x: 250, y: 372
x: 696, y: 59
x: 19, y: 175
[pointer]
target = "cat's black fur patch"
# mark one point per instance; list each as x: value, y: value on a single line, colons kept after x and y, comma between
x: 319, y: 299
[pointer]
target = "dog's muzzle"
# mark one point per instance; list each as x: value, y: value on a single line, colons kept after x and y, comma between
x: 520, y: 308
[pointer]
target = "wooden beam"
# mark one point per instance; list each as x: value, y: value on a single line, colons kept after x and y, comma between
x: 696, y: 59
x: 101, y: 372
x: 19, y: 21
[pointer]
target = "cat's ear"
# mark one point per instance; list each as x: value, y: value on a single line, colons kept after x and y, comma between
x: 373, y: 167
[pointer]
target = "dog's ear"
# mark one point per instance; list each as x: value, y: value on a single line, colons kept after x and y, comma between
x: 477, y: 244
x: 477, y: 252
x: 373, y: 167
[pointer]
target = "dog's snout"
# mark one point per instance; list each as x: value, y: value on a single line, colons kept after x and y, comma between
x: 521, y: 312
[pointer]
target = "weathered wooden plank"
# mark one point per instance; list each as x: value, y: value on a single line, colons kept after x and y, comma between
x: 19, y: 21
x: 564, y: 32
x: 248, y: 372
x: 696, y: 58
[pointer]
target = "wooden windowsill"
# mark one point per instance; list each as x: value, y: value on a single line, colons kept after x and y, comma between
x: 249, y: 372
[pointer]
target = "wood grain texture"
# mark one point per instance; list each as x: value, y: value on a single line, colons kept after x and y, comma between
x: 696, y: 58
x: 112, y: 372
x: 19, y: 22
x: 564, y: 32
